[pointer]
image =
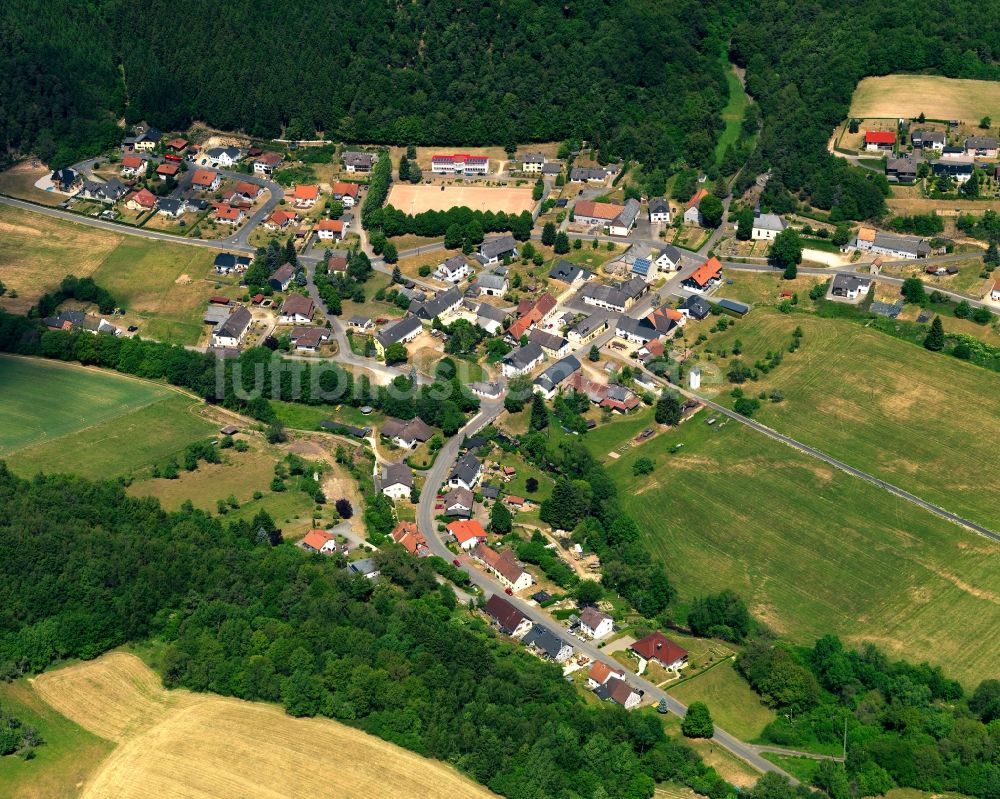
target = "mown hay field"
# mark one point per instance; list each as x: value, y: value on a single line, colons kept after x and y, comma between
x: 908, y: 96
x: 176, y: 743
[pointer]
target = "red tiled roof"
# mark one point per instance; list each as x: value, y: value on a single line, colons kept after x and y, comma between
x: 335, y: 225
x: 699, y: 195
x: 177, y: 144
x: 144, y: 197
x: 466, y: 530
x: 168, y: 168
x: 249, y: 189
x: 204, y: 177
x: 712, y: 268
x: 281, y: 217
x: 350, y: 189
x: 597, y: 210
x: 337, y: 263
x: 270, y: 159
x: 512, y: 499
x: 132, y: 161
x: 316, y: 539
x: 223, y: 211
x: 306, y: 192
x: 880, y: 137
x: 408, y: 536
x: 656, y: 646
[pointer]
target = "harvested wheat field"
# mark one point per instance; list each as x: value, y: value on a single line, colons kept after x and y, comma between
x: 908, y: 96
x: 176, y: 743
x: 413, y: 199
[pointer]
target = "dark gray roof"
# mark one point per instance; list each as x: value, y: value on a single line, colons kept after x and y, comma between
x: 494, y: 248
x: 545, y: 641
x: 490, y: 492
x: 359, y: 321
x: 585, y: 173
x: 170, y: 205
x: 927, y: 136
x: 551, y: 168
x: 735, y: 307
x: 892, y: 310
x: 698, y: 307
x: 843, y: 281
x: 659, y: 206
x: 523, y: 357
x: 533, y: 158
x: 437, y: 306
x: 981, y: 143
x: 641, y: 328
x: 355, y: 158
x: 901, y: 244
x: 673, y: 253
x: 567, y: 271
x: 398, y: 331
x: 491, y: 312
x: 628, y: 215
x: 395, y: 474
x: 357, y: 432
x: 75, y: 318
x: 456, y: 262
x: 548, y: 341
x: 557, y: 373
x: 236, y: 324
x: 364, y: 567
x: 586, y: 326
x: 490, y: 281
x: 216, y: 152
x: 769, y: 222
x: 466, y: 469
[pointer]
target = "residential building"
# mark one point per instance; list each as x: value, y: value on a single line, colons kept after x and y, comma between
x: 226, y: 263
x: 168, y: 169
x: 981, y: 147
x: 665, y: 319
x: 143, y: 141
x: 206, y: 180
x: 595, y: 624
x: 532, y: 162
x: 225, y: 157
x: 361, y: 324
x: 493, y: 251
x: 460, y: 164
x: 568, y: 272
x: 490, y: 285
x: 656, y: 647
x: 507, y: 618
x: 552, y: 345
x: 406, y: 434
x: 395, y: 481
x: 706, y: 277
x: 522, y: 360
x: 928, y: 140
x: 638, y: 331
x: 949, y: 151
x: 766, y: 226
x: 458, y: 502
x: 408, y: 536
x: 620, y: 692
x: 170, y: 206
x: 960, y: 168
x: 365, y: 568
x: 346, y: 193
x: 251, y: 191
x: 617, y: 297
x: 692, y: 214
x: 850, y: 286
x: 142, y: 200
x: 226, y: 214
x: 133, y: 166
x: 305, y: 196
x: 466, y: 473
x: 490, y: 390
x: 110, y: 191
x: 504, y: 566
x: 548, y: 382
x: 440, y: 306
x: 695, y: 308
x: 453, y: 270
x: 530, y: 313
x: 904, y: 168
x: 547, y: 644
x: 308, y: 339
x: 232, y: 331
x: 620, y: 399
x: 618, y: 219
x: 359, y: 162
x: 401, y: 332
x: 281, y: 219
x: 995, y: 292
x: 880, y: 141
x: 551, y: 168
x: 468, y: 533
x: 659, y: 211
x: 329, y: 229
x: 580, y: 174
x: 320, y: 541
x: 600, y: 672
x: 266, y: 163
x: 282, y: 277
x: 296, y: 310
x: 622, y: 224
x: 587, y: 329
x: 874, y: 241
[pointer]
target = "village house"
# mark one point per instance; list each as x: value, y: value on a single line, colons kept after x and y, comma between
x: 547, y: 645
x: 487, y: 390
x: 468, y: 533
x: 266, y: 163
x: 364, y: 568
x: 617, y: 297
x: 170, y: 206
x: 522, y: 360
x: 206, y: 180
x: 110, y: 191
x: 552, y: 345
x: 66, y: 180
x: 850, y: 287
x: 406, y: 434
x: 296, y: 310
x: 232, y: 331
x: 659, y: 211
x: 766, y: 226
x: 928, y: 140
x: 225, y: 157
x: 568, y: 272
x: 622, y: 224
x: 226, y: 263
x: 143, y: 141
x: 458, y: 502
x: 904, y: 168
x: 252, y: 191
x: 870, y: 240
x: 587, y: 329
x: 168, y: 169
x: 308, y: 339
x: 305, y: 196
x: 401, y: 332
x: 493, y: 251
x: 439, y: 307
x: 490, y: 285
x: 619, y: 219
x: 637, y: 331
x: 460, y: 164
x: 329, y: 229
x: 408, y: 536
x: 133, y: 166
x: 595, y: 624
x: 504, y: 566
x: 692, y: 214
x: 395, y: 481
x: 320, y: 541
x: 880, y: 141
x: 995, y: 292
x: 142, y: 200
x: 361, y: 324
x: 466, y: 473
x: 696, y: 308
x: 506, y: 617
x: 959, y: 168
x: 226, y: 214
x: 532, y: 162
x: 981, y: 147
x: 530, y: 313
x: 178, y: 145
x: 551, y: 168
x: 548, y: 382
x: 359, y: 162
x: 706, y: 277
x: 453, y: 270
x: 600, y: 672
x: 620, y: 692
x: 282, y: 277
x: 581, y: 174
x: 657, y: 648
x: 281, y: 219
x: 346, y: 193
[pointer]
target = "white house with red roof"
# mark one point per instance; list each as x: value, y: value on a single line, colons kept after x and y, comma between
x: 995, y: 292
x: 600, y: 673
x: 133, y: 166
x: 595, y: 624
x: 320, y: 541
x: 206, y: 180
x: 228, y: 215
x: 692, y: 214
x: 657, y: 648
x: 330, y: 229
x: 142, y: 200
x: 879, y: 141
x: 305, y: 196
x: 460, y: 164
x: 346, y: 193
x: 705, y: 277
x: 467, y: 533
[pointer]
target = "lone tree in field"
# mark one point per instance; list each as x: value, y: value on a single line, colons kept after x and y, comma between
x: 697, y: 721
x: 992, y: 257
x: 668, y: 408
x: 539, y: 413
x: 934, y: 340
x: 913, y: 291
x: 501, y: 522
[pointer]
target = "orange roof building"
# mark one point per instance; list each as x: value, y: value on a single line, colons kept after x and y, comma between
x: 142, y: 198
x: 226, y: 213
x: 251, y: 190
x: 411, y: 539
x: 319, y: 541
x: 133, y: 162
x: 206, y: 179
x: 707, y: 272
x: 305, y: 195
x: 467, y: 533
x: 699, y: 195
x: 589, y: 209
x: 168, y: 169
x: 177, y: 145
x: 656, y: 646
x: 600, y: 672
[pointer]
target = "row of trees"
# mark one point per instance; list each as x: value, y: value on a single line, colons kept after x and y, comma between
x: 74, y: 288
x: 456, y: 223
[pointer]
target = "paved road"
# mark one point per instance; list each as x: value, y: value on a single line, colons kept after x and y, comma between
x: 425, y: 518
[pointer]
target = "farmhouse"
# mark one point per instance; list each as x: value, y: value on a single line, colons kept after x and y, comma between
x: 329, y: 229
x: 206, y: 180
x: 638, y: 331
x: 657, y: 647
x: 981, y: 147
x: 504, y: 566
x: 766, y: 226
x: 522, y: 360
x: 466, y: 473
x: 408, y: 536
x: 548, y: 382
x: 282, y: 277
x: 870, y: 240
x: 453, y: 270
x: 359, y: 162
x: 468, y: 534
x: 395, y: 481
x: 508, y: 618
x: 233, y: 330
x: 441, y: 305
x: 552, y: 345
x: 705, y: 277
x: 880, y: 141
x: 619, y: 219
x: 400, y: 332
x: 928, y: 140
x: 659, y: 211
x: 692, y: 215
x: 620, y: 692
x: 305, y: 196
x: 266, y: 163
x: 587, y: 329
x: 850, y: 286
x: 493, y: 251
x: 226, y: 157
x: 490, y: 318
x: 490, y: 285
x: 546, y: 644
x: 460, y: 164
x: 296, y: 310
x: 458, y: 502
x: 110, y: 191
x: 133, y: 166
x: 142, y: 200
x: 595, y: 624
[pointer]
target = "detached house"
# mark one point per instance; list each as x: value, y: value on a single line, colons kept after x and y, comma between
x: 668, y: 259
x: 656, y: 647
x: 506, y: 617
x: 206, y: 180
x: 849, y: 286
x: 305, y: 196
x: 532, y: 162
x: 142, y: 200
x: 226, y: 214
x: 547, y: 644
x: 928, y: 140
x: 595, y: 624
x: 411, y: 539
x: 691, y: 213
x: 400, y: 332
x: 620, y: 692
x: 453, y: 270
x: 168, y: 169
x: 981, y: 147
x: 320, y: 541
x: 493, y: 251
x: 466, y: 473
x: 359, y: 162
x: 226, y: 157
x: 600, y: 672
x: 442, y: 305
x: 406, y: 434
x: 705, y: 277
x: 144, y: 141
x: 308, y: 339
x: 522, y: 360
x: 468, y: 534
x: 552, y: 345
x: 504, y: 566
x: 329, y: 230
x: 880, y: 141
x: 282, y: 277
x: 659, y: 211
x: 458, y: 502
x: 111, y: 191
x: 346, y: 193
x: 133, y: 166
x: 548, y: 382
x: 280, y: 220
x: 231, y: 332
x: 395, y: 481
x: 617, y: 297
x: 266, y: 163
x: 296, y: 310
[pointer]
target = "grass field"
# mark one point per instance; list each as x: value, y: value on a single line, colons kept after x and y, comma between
x: 912, y: 417
x: 162, y: 285
x: 174, y: 743
x: 61, y: 764
x: 413, y: 199
x: 802, y: 768
x: 908, y: 96
x: 732, y: 114
x: 69, y: 419
x: 733, y: 704
x: 813, y: 550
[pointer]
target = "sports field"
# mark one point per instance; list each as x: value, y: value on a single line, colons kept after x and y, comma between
x: 413, y: 199
x: 813, y: 550
x: 175, y: 743
x: 163, y: 286
x: 908, y: 96
x: 57, y: 417
x: 917, y: 419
